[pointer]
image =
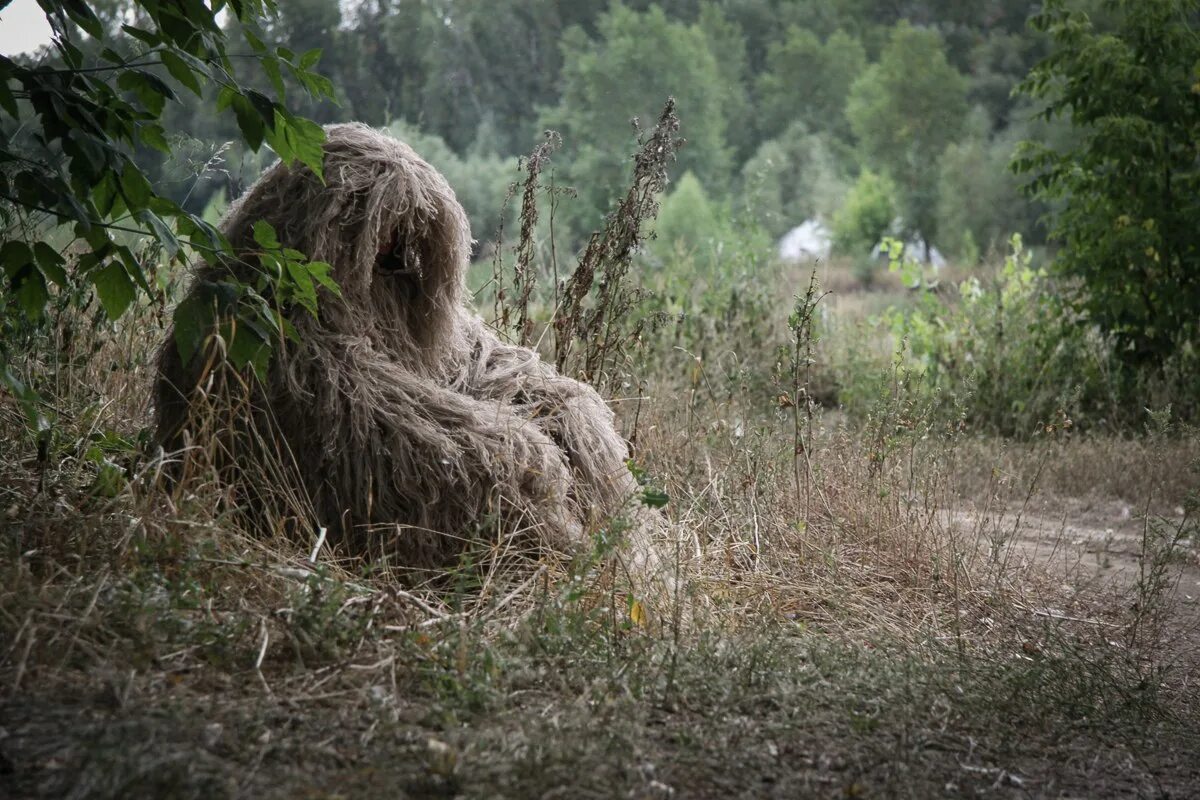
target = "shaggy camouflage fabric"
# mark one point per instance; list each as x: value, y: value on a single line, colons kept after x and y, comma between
x: 409, y: 426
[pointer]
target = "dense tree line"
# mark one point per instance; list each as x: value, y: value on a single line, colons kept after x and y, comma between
x: 837, y: 88
x: 786, y: 104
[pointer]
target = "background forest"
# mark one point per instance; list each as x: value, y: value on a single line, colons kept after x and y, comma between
x: 789, y: 108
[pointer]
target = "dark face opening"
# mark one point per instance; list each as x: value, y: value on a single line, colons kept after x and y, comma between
x: 398, y: 258
x: 400, y: 262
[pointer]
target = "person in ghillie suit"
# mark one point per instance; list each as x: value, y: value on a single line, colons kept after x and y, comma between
x: 412, y: 428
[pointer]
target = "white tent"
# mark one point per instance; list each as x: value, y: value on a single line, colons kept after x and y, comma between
x: 810, y: 240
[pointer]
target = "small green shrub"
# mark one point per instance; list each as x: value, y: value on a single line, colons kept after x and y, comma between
x: 1007, y: 352
x: 1009, y: 349
x: 863, y: 219
x: 691, y: 224
x: 1001, y: 351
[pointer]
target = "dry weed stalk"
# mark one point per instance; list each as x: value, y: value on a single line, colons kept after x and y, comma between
x: 524, y: 270
x: 590, y: 333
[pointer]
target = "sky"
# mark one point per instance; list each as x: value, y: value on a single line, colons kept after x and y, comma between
x: 23, y: 27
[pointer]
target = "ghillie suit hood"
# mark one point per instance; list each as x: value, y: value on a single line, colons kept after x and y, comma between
x: 412, y: 429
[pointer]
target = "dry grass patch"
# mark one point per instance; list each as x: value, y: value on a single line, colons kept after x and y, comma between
x: 834, y: 633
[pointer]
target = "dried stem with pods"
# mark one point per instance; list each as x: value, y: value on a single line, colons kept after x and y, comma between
x: 592, y: 326
x: 524, y: 277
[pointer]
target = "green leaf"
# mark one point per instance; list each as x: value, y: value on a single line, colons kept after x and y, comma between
x: 51, y: 263
x: 135, y: 189
x: 193, y: 320
x: 26, y: 279
x: 322, y: 273
x: 249, y: 121
x: 256, y: 44
x: 247, y: 347
x: 262, y: 104
x: 71, y: 54
x: 654, y: 498
x: 133, y: 267
x: 153, y: 135
x: 302, y: 283
x: 149, y: 88
x: 200, y: 235
x: 225, y: 98
x: 83, y: 16
x: 29, y: 286
x: 310, y: 59
x: 181, y: 72
x: 142, y: 35
x: 27, y: 398
x: 115, y: 288
x: 162, y: 232
x: 15, y: 254
x: 7, y: 101
x: 300, y: 139
x: 271, y: 67
x: 109, y: 480
x: 289, y: 330
x: 316, y: 85
x: 198, y: 65
x: 107, y: 197
x: 264, y: 235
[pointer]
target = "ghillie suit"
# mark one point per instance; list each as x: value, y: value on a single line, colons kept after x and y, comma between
x: 412, y: 428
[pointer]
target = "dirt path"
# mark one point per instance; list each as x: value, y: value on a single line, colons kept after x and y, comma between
x: 1094, y: 546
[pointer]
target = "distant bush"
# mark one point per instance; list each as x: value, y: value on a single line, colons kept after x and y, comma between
x: 795, y: 177
x: 863, y: 220
x: 1006, y: 354
x: 979, y: 202
x: 690, y: 223
x: 1004, y: 348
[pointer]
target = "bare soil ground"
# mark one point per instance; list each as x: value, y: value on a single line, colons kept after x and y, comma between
x: 1097, y: 547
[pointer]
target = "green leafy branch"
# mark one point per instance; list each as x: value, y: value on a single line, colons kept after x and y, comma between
x: 250, y: 316
x: 68, y: 161
x: 77, y: 166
